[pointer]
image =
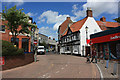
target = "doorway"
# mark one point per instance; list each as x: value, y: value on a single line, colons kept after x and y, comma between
x: 87, y: 50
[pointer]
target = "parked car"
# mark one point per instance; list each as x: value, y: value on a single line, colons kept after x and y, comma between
x: 41, y: 50
x: 75, y: 51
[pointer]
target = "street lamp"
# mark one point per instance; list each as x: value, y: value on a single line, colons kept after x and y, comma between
x: 86, y: 28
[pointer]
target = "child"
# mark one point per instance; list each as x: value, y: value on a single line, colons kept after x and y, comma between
x: 88, y: 58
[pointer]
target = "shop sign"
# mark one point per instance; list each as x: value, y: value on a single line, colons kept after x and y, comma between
x: 107, y: 38
x: 115, y: 37
x: 2, y: 60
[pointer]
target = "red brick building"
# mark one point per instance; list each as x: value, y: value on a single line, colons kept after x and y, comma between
x: 22, y: 40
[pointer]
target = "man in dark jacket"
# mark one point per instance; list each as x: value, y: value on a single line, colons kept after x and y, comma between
x: 94, y: 56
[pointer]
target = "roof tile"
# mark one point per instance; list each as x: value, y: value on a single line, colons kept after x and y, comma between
x: 78, y: 25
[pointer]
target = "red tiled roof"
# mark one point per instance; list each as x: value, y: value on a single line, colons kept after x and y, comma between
x: 63, y: 27
x: 78, y: 25
x: 104, y: 25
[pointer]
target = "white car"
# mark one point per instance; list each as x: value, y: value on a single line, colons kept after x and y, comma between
x: 75, y: 51
x: 41, y: 50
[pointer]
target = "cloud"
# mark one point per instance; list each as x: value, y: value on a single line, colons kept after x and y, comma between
x: 98, y: 7
x: 52, y: 17
x: 56, y: 26
x: 74, y: 7
x: 49, y: 32
x: 31, y: 14
x: 16, y: 2
x: 12, y: 0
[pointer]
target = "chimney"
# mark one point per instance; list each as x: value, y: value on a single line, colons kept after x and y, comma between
x: 103, y: 19
x: 89, y: 12
x: 68, y: 18
x: 49, y: 37
x: 53, y: 38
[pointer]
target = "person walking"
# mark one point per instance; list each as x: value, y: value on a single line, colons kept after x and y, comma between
x: 94, y: 56
x: 88, y: 58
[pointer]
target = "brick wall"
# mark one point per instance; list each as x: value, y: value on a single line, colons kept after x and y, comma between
x: 16, y: 61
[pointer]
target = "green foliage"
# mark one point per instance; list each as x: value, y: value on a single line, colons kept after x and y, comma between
x: 117, y: 19
x: 20, y: 51
x: 16, y: 18
x: 8, y: 49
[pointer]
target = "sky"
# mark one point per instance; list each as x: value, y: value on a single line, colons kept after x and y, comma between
x: 49, y: 15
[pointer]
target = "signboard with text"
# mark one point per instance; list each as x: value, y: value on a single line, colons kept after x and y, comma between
x: 106, y: 38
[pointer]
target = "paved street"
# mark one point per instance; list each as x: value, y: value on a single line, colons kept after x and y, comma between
x: 55, y: 66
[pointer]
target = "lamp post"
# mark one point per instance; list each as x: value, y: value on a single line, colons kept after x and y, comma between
x: 86, y: 28
x: 34, y: 47
x: 33, y: 36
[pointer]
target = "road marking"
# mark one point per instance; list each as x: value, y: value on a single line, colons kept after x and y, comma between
x: 62, y: 68
x: 57, y: 71
x: 52, y: 64
x: 48, y: 77
x: 43, y: 75
x: 101, y: 75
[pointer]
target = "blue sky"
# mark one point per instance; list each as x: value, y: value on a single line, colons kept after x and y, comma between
x: 49, y: 15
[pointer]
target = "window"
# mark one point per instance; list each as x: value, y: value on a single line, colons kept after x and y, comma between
x: 16, y: 42
x: 2, y: 28
x: 77, y: 36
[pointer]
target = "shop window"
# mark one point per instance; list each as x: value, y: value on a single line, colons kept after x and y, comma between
x: 25, y: 44
x: 16, y: 42
x: 2, y: 28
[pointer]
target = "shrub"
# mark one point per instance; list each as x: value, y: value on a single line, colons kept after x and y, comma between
x: 20, y: 51
x: 8, y: 49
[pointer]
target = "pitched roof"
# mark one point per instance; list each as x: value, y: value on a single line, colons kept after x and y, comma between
x: 104, y: 25
x: 78, y: 25
x: 64, y: 26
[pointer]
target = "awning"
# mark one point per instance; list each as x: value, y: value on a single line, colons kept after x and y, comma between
x: 106, y: 36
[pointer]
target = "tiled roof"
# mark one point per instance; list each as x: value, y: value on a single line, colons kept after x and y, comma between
x: 104, y: 25
x: 64, y: 27
x: 78, y: 25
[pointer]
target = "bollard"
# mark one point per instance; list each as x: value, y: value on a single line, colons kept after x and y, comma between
x: 35, y: 57
x: 107, y: 63
x: 115, y: 68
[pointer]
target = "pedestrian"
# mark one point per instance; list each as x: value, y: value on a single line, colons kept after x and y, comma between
x: 94, y: 56
x: 88, y: 58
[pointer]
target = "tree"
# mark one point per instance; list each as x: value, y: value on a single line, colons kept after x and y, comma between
x: 117, y: 19
x: 16, y: 18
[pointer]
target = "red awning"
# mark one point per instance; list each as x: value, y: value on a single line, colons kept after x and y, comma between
x: 106, y: 38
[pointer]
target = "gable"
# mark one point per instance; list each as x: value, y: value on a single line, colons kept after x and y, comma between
x: 69, y: 31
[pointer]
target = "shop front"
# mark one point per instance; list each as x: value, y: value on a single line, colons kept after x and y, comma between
x: 107, y: 43
x: 23, y: 42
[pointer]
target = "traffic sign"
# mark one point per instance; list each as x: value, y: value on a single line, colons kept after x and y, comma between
x: 35, y: 42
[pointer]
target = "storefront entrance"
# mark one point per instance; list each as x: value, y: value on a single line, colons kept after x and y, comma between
x: 87, y: 48
x: 16, y: 42
x: 25, y: 44
x: 118, y: 50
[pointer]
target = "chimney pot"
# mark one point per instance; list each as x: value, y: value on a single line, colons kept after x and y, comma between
x: 89, y: 12
x: 103, y: 19
x: 68, y: 18
x: 49, y: 37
